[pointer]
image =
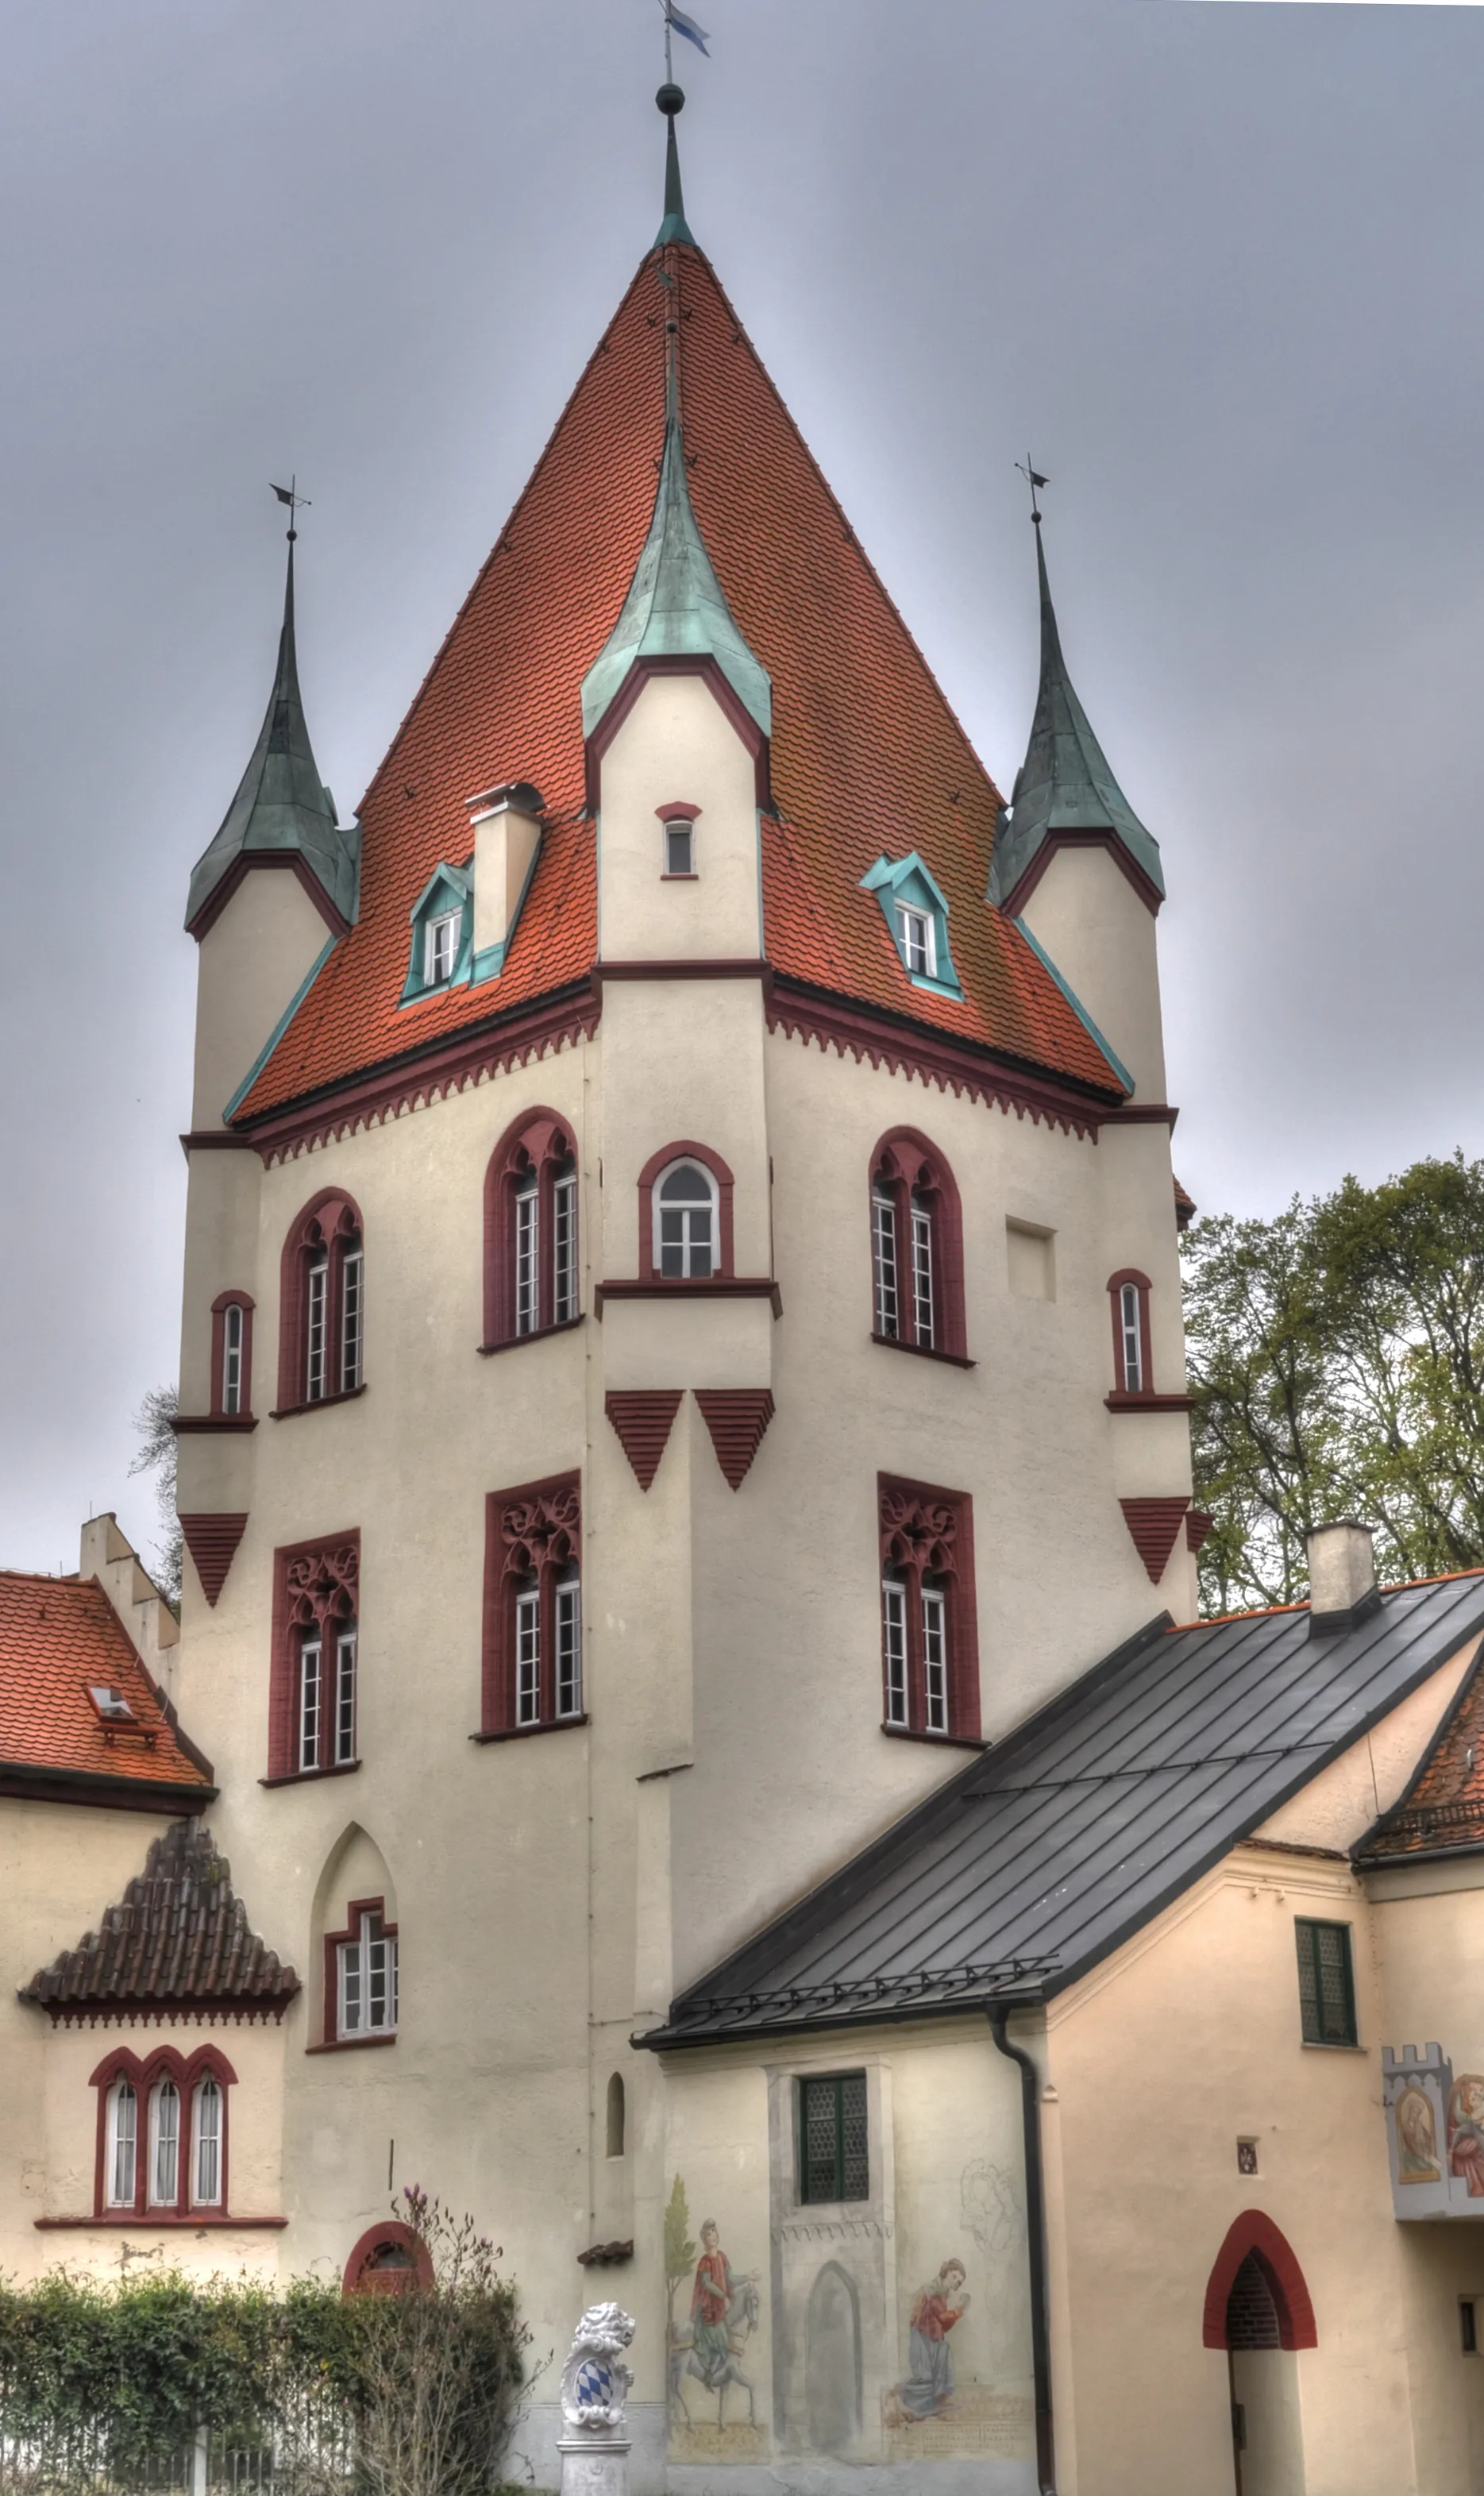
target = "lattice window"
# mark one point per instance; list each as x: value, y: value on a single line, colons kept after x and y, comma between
x: 834, y: 2154
x: 1326, y: 1983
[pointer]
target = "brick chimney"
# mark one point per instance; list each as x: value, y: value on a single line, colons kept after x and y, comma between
x: 1342, y: 1591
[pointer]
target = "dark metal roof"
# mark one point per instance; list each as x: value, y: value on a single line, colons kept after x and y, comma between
x: 1036, y: 1861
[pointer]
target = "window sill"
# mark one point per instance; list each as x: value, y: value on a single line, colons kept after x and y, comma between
x: 185, y: 1422
x: 513, y: 1342
x: 1120, y: 1401
x: 198, y: 2219
x: 523, y: 1733
x: 312, y: 1776
x: 925, y: 1350
x: 354, y: 2044
x: 715, y: 1287
x: 688, y: 876
x: 1319, y: 2045
x: 938, y: 1741
x: 292, y: 1412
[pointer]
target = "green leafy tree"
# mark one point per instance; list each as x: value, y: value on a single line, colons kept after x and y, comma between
x: 1337, y: 1361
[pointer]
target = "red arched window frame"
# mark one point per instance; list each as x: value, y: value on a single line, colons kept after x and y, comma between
x: 1129, y: 1278
x: 533, y: 1544
x: 536, y: 1144
x: 913, y: 1174
x: 143, y: 2073
x: 926, y: 1536
x: 316, y: 1585
x: 684, y: 1150
x: 330, y: 1224
x: 356, y: 1911
x: 221, y: 1409
x: 1256, y: 2233
x: 680, y: 813
x: 363, y: 2273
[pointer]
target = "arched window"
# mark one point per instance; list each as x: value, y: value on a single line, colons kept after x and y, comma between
x: 121, y: 2145
x: 323, y: 1305
x: 206, y: 2106
x: 532, y: 1606
x: 616, y: 2115
x: 1133, y: 1357
x: 916, y: 1247
x: 388, y: 2261
x: 313, y: 1715
x: 685, y: 1215
x: 232, y: 1355
x: 162, y: 2146
x: 531, y: 1275
x: 677, y: 822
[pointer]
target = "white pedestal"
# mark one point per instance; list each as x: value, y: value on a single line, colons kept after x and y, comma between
x: 594, y: 2465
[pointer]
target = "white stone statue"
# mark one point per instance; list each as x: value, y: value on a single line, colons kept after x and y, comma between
x: 595, y: 2383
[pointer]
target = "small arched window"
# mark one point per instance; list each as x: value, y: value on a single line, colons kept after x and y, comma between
x: 162, y: 2144
x: 121, y: 2145
x: 686, y: 1225
x: 323, y: 1306
x: 207, y: 2144
x: 531, y: 1272
x: 232, y: 1355
x: 1133, y: 1358
x: 677, y: 831
x: 916, y: 1247
x: 616, y: 2115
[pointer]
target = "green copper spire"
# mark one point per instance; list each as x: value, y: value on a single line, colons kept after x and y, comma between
x: 673, y: 227
x: 1065, y: 784
x: 676, y: 607
x: 281, y: 805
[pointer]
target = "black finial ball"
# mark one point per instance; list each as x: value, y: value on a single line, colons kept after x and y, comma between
x: 671, y: 99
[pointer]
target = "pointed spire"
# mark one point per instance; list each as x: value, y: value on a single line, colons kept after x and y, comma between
x: 281, y: 805
x: 673, y: 227
x: 676, y: 607
x: 1065, y: 784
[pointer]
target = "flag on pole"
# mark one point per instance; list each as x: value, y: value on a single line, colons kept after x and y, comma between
x: 687, y: 26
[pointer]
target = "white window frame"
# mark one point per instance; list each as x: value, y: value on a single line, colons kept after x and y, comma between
x: 209, y: 2100
x: 883, y: 1260
x: 317, y: 1327
x: 311, y: 1697
x: 121, y: 2146
x: 528, y: 1253
x: 164, y: 2145
x: 563, y: 1247
x: 366, y: 1979
x: 528, y: 1655
x: 935, y: 1660
x: 682, y: 1211
x: 917, y: 937
x: 567, y: 1613
x: 440, y: 948
x: 234, y: 1337
x: 679, y: 845
x: 352, y: 1317
x: 922, y: 1271
x: 894, y: 1649
x: 1130, y: 1335
x: 343, y: 1731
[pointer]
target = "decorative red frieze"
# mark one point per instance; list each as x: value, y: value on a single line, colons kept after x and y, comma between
x: 316, y: 1585
x: 533, y: 1534
x: 1197, y: 1525
x: 736, y: 1417
x: 643, y: 1417
x: 212, y: 1543
x: 926, y: 1533
x: 1154, y: 1525
x: 875, y: 1038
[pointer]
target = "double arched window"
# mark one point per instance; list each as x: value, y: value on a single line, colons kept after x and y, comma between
x: 323, y: 1305
x: 916, y: 1247
x: 531, y: 1275
x: 163, y: 2132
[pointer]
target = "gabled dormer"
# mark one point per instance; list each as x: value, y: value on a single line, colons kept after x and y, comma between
x: 443, y: 933
x: 916, y: 908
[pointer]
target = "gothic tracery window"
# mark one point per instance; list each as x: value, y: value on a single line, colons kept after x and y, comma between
x: 322, y: 1303
x: 929, y: 1643
x: 532, y: 1278
x: 532, y: 1607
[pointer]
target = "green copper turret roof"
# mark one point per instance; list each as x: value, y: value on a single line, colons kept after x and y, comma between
x: 672, y: 226
x: 281, y: 806
x: 1065, y: 783
x: 676, y: 607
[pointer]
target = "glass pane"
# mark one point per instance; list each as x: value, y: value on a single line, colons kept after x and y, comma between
x: 165, y: 2162
x: 124, y: 2120
x: 568, y: 1645
x: 922, y: 1276
x: 310, y: 1659
x: 895, y: 1647
x: 854, y: 2148
x: 528, y: 1657
x: 351, y: 1317
x: 935, y: 1659
x: 1337, y: 2025
x: 883, y: 1242
x: 685, y: 1185
x: 207, y: 2186
x: 345, y: 1697
x: 817, y: 2128
x: 314, y: 1366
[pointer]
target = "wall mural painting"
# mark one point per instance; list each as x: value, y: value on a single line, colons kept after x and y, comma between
x: 1466, y: 2132
x: 1417, y: 2139
x: 927, y: 2390
x: 713, y: 2313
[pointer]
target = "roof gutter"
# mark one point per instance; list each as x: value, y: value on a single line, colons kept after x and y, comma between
x: 1036, y: 2235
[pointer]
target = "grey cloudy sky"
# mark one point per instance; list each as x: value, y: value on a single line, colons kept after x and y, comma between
x: 1218, y: 266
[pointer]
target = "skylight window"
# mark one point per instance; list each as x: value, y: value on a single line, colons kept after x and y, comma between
x: 112, y: 1704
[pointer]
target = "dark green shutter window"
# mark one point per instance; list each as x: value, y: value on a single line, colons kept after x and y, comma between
x: 834, y: 2155
x: 1326, y: 1984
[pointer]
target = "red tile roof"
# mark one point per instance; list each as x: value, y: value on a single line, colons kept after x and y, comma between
x: 58, y: 1636
x: 866, y: 754
x: 1446, y: 1807
x: 179, y: 1935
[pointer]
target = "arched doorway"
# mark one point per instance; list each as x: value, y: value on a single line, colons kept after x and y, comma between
x: 1258, y: 2309
x: 832, y: 2361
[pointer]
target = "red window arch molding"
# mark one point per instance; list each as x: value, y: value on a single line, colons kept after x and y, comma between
x: 388, y: 2261
x: 224, y: 1302
x: 316, y: 1585
x: 330, y: 1220
x: 1254, y: 2233
x: 903, y: 1165
x: 143, y: 2073
x: 724, y: 1269
x: 537, y: 1141
x: 1144, y: 1392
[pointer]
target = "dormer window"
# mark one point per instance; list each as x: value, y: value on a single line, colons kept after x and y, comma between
x: 440, y: 949
x: 916, y: 908
x: 443, y: 933
x: 915, y: 935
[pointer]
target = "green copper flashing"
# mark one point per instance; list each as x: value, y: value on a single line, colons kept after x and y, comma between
x: 1077, y: 1006
x: 1065, y: 783
x: 672, y: 226
x: 279, y: 1028
x: 281, y: 804
x: 676, y: 607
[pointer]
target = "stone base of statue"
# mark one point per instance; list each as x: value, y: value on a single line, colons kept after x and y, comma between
x: 595, y: 2465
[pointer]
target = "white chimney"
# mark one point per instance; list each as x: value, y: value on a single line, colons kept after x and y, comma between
x: 1342, y: 1576
x: 506, y: 828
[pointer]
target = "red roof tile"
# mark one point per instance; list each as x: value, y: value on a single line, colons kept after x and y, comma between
x: 179, y: 1935
x: 866, y: 754
x: 58, y: 1638
x: 1445, y: 1807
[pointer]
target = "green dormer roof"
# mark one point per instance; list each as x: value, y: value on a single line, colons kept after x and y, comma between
x: 1065, y: 784
x: 281, y: 806
x: 676, y: 607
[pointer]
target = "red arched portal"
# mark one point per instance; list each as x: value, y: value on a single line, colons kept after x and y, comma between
x: 1254, y: 2233
x: 387, y: 2260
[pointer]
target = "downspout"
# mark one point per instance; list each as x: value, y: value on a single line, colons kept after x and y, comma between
x: 1035, y: 2235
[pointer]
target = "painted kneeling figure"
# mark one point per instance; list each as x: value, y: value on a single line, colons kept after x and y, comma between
x: 929, y: 2388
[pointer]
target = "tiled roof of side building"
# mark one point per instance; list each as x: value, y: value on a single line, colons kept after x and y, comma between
x: 178, y: 1937
x: 1441, y: 1811
x: 866, y: 755
x: 1038, y: 1859
x: 60, y: 1639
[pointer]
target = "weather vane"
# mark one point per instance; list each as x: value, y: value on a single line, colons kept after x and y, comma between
x: 1034, y: 480
x: 677, y: 19
x: 295, y: 501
